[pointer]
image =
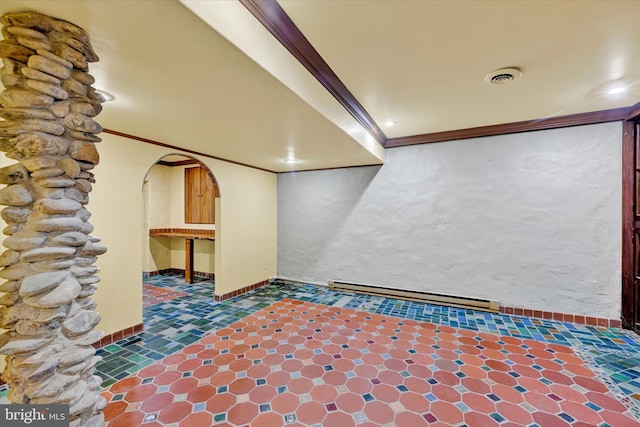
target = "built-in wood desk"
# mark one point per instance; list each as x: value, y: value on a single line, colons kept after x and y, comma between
x: 189, y: 235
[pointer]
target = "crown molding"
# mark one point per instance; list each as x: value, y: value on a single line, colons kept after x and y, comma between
x: 612, y: 115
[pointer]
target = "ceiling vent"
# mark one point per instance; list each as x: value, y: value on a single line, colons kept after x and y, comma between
x: 502, y: 76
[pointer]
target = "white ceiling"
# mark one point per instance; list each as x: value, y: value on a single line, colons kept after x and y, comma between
x: 208, y: 77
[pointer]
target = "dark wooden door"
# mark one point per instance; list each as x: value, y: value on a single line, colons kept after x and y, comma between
x: 631, y: 224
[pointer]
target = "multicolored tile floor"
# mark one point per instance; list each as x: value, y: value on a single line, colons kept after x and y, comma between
x: 294, y: 354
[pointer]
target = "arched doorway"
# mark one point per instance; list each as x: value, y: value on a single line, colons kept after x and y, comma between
x: 179, y: 226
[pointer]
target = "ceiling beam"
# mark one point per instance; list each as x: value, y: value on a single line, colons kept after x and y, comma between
x: 180, y: 150
x: 616, y: 114
x: 280, y: 25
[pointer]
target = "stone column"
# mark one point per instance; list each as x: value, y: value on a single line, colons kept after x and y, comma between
x: 48, y: 266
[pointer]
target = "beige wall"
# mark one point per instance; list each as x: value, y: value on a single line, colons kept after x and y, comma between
x: 156, y: 252
x: 245, y: 246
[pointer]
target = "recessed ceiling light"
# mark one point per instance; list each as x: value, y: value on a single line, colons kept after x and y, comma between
x: 106, y: 95
x: 290, y: 160
x: 389, y: 123
x: 616, y: 90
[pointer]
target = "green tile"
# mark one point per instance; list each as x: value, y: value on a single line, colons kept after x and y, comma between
x: 108, y: 382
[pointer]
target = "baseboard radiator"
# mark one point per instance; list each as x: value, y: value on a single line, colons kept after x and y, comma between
x: 418, y: 296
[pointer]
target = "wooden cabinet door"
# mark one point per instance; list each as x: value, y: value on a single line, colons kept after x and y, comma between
x: 199, y: 195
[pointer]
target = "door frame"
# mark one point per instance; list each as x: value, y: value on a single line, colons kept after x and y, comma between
x: 630, y: 297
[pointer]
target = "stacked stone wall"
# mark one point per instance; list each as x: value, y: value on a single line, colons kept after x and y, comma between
x: 48, y: 273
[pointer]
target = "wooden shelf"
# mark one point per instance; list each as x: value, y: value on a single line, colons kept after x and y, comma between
x: 189, y: 235
x: 185, y: 233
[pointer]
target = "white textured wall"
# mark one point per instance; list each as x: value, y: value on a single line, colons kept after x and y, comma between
x: 532, y: 220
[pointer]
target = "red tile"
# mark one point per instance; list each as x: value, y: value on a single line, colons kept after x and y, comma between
x: 174, y: 412
x: 605, y: 401
x: 221, y: 403
x: 311, y: 413
x: 542, y: 402
x: 197, y: 419
x: 300, y: 385
x: 615, y: 323
x: 446, y: 412
x: 592, y: 321
x: 285, y: 403
x: 189, y: 365
x: 114, y: 409
x: 479, y: 403
x: 378, y: 412
x: 243, y: 413
x: 174, y: 359
x: 151, y: 371
x: 507, y: 393
x: 617, y: 419
x: 514, y: 413
x: 263, y: 393
x: 410, y: 419
x: 581, y: 412
x: 557, y: 377
x: 265, y: 419
x: 334, y: 378
x: 183, y: 385
x: 125, y: 385
x: 446, y: 393
x: 350, y: 402
x: 477, y: 419
x: 339, y: 419
x: 127, y: 419
x: 324, y: 393
x: 527, y: 371
x: 278, y: 378
x: 567, y: 393
x: 242, y: 385
x: 386, y: 393
x: 590, y: 384
x: 156, y: 402
x: 417, y: 384
x: 205, y: 371
x: 414, y: 402
x: 222, y: 378
x: 545, y: 419
x: 140, y: 393
x: 502, y: 378
x: 359, y: 385
x: 534, y: 385
x: 201, y: 394
x: 497, y: 365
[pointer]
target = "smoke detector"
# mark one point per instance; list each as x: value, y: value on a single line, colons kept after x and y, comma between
x: 503, y: 76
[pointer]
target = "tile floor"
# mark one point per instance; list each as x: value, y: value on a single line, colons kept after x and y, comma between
x: 292, y: 354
